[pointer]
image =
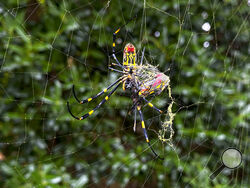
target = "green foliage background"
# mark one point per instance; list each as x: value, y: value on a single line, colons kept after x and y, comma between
x: 47, y: 46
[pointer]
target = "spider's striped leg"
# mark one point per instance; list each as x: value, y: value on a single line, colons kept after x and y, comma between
x: 152, y: 106
x: 112, y: 69
x: 114, y: 37
x: 96, y: 108
x: 113, y: 49
x: 97, y: 95
x: 134, y: 128
x: 133, y: 108
x: 145, y: 132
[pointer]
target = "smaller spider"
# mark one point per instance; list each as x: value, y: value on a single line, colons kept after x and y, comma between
x: 140, y: 80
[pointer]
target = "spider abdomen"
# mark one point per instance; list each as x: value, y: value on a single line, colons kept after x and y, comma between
x: 152, y: 81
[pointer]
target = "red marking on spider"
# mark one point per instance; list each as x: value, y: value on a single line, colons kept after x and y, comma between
x: 158, y: 80
x: 143, y: 90
x: 131, y: 49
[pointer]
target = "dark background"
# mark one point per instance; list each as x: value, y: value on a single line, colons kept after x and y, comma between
x: 47, y: 46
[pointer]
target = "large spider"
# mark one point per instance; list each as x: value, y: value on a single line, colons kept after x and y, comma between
x: 140, y: 80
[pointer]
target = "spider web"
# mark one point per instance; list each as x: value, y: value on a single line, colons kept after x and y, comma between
x: 104, y: 150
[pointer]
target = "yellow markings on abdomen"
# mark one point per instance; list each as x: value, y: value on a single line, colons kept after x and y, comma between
x: 89, y: 99
x: 106, y: 98
x: 158, y: 86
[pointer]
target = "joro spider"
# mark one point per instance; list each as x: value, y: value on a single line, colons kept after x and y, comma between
x: 140, y: 80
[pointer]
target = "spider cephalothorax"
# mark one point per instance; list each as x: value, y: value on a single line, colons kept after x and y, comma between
x: 129, y: 55
x: 141, y: 80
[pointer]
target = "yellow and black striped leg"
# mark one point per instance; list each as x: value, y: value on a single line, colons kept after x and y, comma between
x: 114, y: 37
x: 152, y: 106
x: 112, y: 69
x: 145, y: 133
x: 96, y: 108
x: 97, y: 95
x: 113, y: 49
